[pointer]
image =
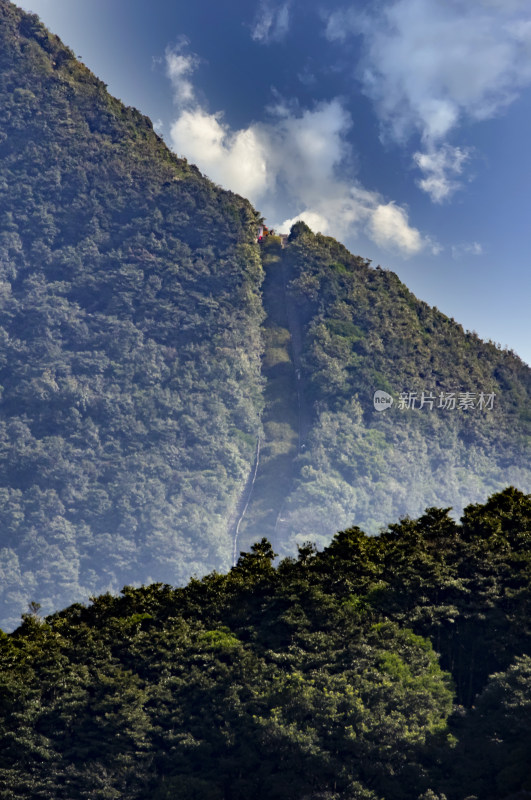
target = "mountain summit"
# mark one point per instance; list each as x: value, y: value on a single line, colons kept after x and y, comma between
x: 172, y: 389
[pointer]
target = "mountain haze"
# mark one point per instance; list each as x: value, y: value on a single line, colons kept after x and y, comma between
x: 172, y: 390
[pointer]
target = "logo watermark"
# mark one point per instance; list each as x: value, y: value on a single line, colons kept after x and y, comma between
x: 382, y: 400
x: 445, y: 401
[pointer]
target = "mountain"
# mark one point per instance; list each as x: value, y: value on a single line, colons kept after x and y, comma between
x: 317, y: 679
x: 172, y: 390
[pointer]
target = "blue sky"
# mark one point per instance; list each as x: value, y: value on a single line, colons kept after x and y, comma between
x: 401, y: 127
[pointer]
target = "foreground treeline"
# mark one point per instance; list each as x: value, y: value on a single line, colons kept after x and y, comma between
x: 396, y: 666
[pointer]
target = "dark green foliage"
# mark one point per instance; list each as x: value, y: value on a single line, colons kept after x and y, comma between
x: 496, y: 740
x: 152, y: 354
x: 464, y: 586
x: 314, y: 679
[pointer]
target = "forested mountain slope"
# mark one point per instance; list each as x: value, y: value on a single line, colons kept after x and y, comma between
x: 319, y: 679
x: 336, y: 332
x: 171, y: 390
x: 130, y: 347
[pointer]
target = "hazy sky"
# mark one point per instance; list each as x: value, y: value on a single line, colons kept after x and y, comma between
x: 402, y: 127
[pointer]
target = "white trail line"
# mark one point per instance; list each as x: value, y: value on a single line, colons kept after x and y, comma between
x: 251, y: 487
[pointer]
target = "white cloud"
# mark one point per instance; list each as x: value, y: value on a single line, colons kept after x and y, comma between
x: 389, y: 227
x: 429, y: 66
x: 298, y: 159
x: 317, y: 222
x: 236, y: 160
x: 385, y: 223
x: 440, y: 167
x: 179, y: 68
x: 271, y: 22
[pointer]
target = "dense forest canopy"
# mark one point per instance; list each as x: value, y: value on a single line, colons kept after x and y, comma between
x: 172, y: 391
x: 130, y: 345
x: 381, y: 668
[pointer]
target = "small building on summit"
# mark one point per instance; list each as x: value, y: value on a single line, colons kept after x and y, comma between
x: 264, y: 232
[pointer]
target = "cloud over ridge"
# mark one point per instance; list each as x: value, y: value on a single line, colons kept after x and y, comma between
x: 298, y: 156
